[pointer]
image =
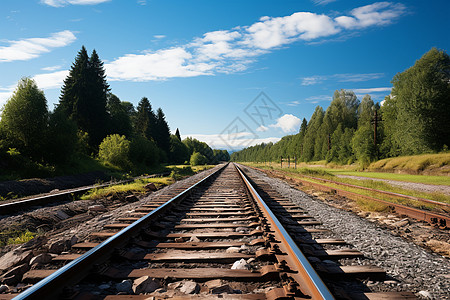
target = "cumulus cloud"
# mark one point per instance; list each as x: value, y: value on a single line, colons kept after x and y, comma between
x: 380, y: 13
x: 33, y: 47
x: 60, y: 3
x: 287, y: 123
x: 51, y: 80
x: 230, y: 51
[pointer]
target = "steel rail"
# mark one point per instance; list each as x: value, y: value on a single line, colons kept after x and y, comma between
x: 415, y: 213
x: 63, y: 195
x: 316, y: 288
x: 51, y: 286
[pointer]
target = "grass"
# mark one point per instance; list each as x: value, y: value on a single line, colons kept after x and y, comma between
x: 138, y: 186
x: 379, y: 185
x: 426, y: 179
x: 416, y: 163
x: 15, y: 236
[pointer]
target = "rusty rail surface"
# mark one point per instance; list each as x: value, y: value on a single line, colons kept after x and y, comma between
x: 51, y: 286
x: 65, y: 195
x: 184, y: 237
x: 415, y: 213
x: 306, y: 276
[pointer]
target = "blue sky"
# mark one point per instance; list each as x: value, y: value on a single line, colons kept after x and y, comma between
x: 230, y: 73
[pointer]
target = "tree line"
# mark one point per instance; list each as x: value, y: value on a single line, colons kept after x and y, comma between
x: 89, y: 120
x: 413, y: 119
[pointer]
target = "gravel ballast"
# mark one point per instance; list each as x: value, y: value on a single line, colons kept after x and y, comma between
x: 415, y: 269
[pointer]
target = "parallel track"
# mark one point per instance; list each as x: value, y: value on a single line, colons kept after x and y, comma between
x: 434, y: 218
x: 185, y: 238
x: 14, y: 206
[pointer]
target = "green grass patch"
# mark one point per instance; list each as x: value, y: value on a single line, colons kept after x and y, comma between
x: 15, y: 236
x: 137, y: 186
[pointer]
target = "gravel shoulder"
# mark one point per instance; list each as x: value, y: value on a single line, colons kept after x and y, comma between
x: 415, y: 268
x: 421, y: 187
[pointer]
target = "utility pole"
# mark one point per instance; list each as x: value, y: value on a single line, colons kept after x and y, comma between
x: 289, y: 161
x: 376, y: 120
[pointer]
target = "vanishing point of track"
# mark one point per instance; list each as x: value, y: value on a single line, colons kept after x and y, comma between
x: 224, y: 233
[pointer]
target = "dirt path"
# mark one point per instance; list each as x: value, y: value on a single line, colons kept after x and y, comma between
x: 422, y: 187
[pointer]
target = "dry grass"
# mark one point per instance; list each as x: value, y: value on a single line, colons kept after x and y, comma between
x: 416, y: 163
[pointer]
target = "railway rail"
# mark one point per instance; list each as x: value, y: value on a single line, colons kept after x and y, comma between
x: 433, y: 218
x: 224, y: 237
x: 65, y: 195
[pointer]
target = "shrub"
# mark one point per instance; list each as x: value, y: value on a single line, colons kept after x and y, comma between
x: 114, y: 149
x: 198, y: 159
x: 143, y: 151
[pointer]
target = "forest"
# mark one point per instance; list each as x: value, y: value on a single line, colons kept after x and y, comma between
x: 413, y: 119
x: 90, y: 125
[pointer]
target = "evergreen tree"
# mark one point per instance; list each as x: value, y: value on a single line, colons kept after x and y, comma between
x: 145, y: 120
x: 179, y: 153
x: 84, y: 94
x: 162, y: 133
x: 177, y: 134
x: 311, y: 131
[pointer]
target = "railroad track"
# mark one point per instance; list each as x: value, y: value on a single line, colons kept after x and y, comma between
x: 224, y: 237
x: 439, y: 219
x: 14, y: 206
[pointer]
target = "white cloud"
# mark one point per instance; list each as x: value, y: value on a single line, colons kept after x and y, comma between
x: 287, y: 123
x: 159, y: 65
x: 33, y: 47
x: 380, y: 13
x: 159, y: 36
x: 320, y: 98
x: 293, y: 103
x: 51, y: 80
x: 262, y: 128
x: 51, y: 68
x: 60, y: 3
x: 372, y: 90
x: 142, y: 2
x: 317, y: 79
x: 230, y: 51
x: 215, y: 141
x: 322, y: 2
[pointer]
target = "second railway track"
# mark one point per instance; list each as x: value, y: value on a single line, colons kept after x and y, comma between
x: 225, y: 237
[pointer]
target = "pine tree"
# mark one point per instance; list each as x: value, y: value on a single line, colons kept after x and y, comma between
x: 177, y: 134
x: 162, y: 132
x: 145, y: 120
x: 84, y: 95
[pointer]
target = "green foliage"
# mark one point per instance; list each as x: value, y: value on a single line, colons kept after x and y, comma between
x: 114, y: 149
x: 162, y: 133
x: 179, y: 153
x: 121, y: 114
x: 422, y: 101
x: 198, y: 159
x: 143, y: 152
x: 62, y: 139
x: 84, y: 96
x: 179, y: 173
x: 24, y: 119
x: 414, y: 119
x: 195, y: 145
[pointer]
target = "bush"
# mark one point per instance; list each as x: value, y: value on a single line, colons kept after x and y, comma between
x: 198, y: 159
x: 114, y: 149
x: 143, y: 151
